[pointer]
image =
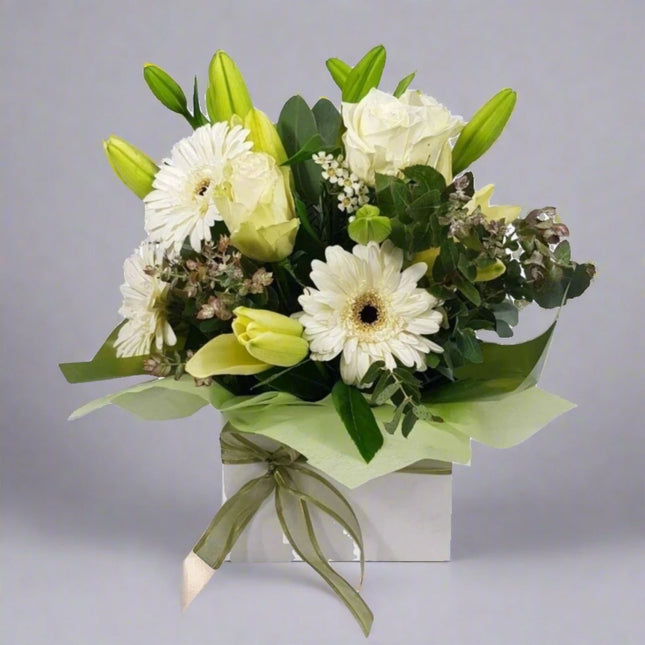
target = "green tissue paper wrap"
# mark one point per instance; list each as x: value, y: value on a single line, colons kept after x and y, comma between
x: 496, y: 403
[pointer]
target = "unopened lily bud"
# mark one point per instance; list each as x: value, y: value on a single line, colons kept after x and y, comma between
x: 165, y: 88
x: 369, y: 225
x: 133, y: 167
x: 227, y: 94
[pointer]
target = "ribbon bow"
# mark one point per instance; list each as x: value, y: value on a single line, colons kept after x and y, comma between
x: 298, y: 490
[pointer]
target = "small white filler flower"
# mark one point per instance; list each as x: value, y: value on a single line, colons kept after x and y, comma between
x: 369, y: 310
x: 144, y: 304
x: 181, y: 203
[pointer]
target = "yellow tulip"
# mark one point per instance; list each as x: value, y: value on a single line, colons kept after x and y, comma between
x: 224, y: 355
x: 270, y: 337
x: 260, y: 340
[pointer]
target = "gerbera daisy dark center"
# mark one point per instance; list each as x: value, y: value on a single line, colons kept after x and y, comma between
x: 202, y: 187
x: 368, y: 314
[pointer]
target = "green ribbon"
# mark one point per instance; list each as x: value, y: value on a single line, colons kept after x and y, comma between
x: 298, y: 491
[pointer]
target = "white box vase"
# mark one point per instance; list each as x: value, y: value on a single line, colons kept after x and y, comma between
x: 404, y: 517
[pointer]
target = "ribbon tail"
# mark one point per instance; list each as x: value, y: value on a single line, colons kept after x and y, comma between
x: 195, y: 576
x: 327, y: 498
x: 295, y: 519
x: 221, y: 535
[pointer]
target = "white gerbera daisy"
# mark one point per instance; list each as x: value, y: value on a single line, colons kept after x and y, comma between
x: 181, y: 203
x: 144, y: 304
x: 368, y: 309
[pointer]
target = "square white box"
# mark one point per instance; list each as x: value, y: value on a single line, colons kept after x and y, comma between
x: 404, y: 517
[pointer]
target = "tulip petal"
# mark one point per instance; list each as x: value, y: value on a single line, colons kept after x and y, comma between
x: 278, y: 349
x: 269, y: 320
x: 224, y: 355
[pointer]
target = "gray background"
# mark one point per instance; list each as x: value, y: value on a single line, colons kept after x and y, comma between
x: 97, y: 515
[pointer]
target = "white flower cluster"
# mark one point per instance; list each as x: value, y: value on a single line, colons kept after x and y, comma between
x: 354, y: 193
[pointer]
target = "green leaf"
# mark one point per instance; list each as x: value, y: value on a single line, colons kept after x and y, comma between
x: 391, y: 425
x: 483, y: 129
x: 303, y: 216
x: 358, y: 418
x: 469, y: 346
x: 403, y: 85
x: 227, y: 93
x: 468, y: 289
x: 409, y: 419
x: 105, y: 365
x: 339, y: 71
x: 166, y: 89
x: 466, y: 267
x: 562, y: 252
x: 365, y: 75
x: 310, y: 147
x: 505, y: 312
x: 296, y: 126
x: 427, y: 177
x: 391, y: 194
x: 304, y: 381
x: 372, y: 372
x: 385, y: 394
x: 198, y: 118
x: 580, y: 280
x: 328, y: 121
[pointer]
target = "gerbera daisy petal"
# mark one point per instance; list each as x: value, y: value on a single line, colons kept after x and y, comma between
x: 366, y: 309
x: 181, y: 204
x: 144, y: 304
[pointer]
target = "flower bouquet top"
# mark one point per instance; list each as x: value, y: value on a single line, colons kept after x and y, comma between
x: 332, y: 270
x: 322, y: 281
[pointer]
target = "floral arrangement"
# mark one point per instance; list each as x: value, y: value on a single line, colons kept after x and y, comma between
x: 322, y: 282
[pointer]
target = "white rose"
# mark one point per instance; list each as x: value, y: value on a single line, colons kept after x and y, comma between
x: 256, y: 205
x: 385, y: 134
